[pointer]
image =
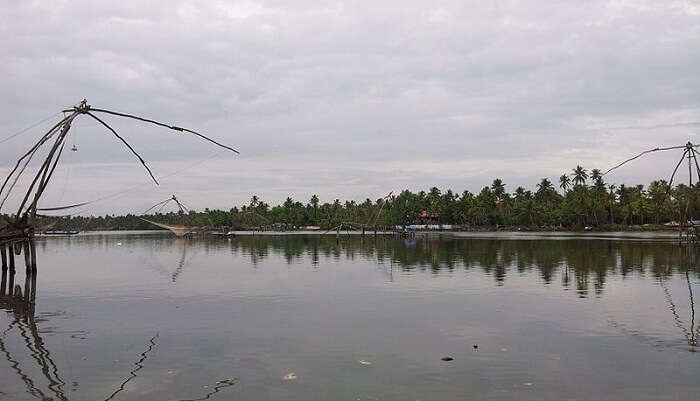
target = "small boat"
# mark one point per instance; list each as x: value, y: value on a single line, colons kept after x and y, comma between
x: 223, y: 234
x: 60, y: 232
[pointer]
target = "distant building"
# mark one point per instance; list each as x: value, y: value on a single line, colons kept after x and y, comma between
x: 427, y: 217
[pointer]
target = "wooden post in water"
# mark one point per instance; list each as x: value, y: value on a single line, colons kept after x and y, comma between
x: 33, y: 289
x: 3, y: 282
x: 11, y: 280
x: 27, y: 257
x: 3, y: 255
x: 32, y: 247
x: 11, y: 256
x: 27, y: 286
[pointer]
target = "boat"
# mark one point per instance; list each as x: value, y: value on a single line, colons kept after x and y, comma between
x: 60, y: 232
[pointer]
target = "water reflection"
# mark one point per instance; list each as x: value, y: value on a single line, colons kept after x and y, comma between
x: 583, y: 263
x: 21, y: 306
x: 139, y: 366
x: 689, y: 331
x: 168, y: 317
x: 24, y: 325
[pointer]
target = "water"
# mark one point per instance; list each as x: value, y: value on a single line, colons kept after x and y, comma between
x: 554, y: 317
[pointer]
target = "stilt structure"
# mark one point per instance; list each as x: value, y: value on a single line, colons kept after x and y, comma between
x: 371, y: 223
x: 17, y: 234
x: 178, y: 230
x: 688, y: 226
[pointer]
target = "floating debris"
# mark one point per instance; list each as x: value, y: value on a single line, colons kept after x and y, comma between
x: 504, y: 349
x: 447, y: 358
x: 289, y: 376
x: 363, y: 362
x: 230, y: 381
x: 528, y: 384
x: 475, y: 346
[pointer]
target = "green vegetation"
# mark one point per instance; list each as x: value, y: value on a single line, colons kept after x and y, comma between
x: 582, y: 199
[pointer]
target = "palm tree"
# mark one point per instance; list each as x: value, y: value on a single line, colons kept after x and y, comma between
x: 498, y: 187
x: 564, y: 182
x: 314, y: 206
x: 580, y: 175
x: 544, y: 185
x: 499, y: 191
x: 612, y: 188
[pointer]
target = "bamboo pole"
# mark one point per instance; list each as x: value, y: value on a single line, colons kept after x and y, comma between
x: 32, y: 246
x: 34, y: 148
x: 172, y: 127
x: 11, y: 257
x: 33, y: 288
x: 27, y: 257
x: 3, y: 282
x: 143, y: 162
x: 27, y: 286
x: 11, y: 282
x: 43, y: 171
x: 3, y: 255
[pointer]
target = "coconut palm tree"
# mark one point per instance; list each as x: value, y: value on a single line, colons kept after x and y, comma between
x: 564, y: 182
x: 580, y: 175
x: 611, y: 200
x: 544, y: 185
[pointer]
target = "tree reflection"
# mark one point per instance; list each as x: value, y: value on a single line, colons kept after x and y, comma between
x: 581, y: 263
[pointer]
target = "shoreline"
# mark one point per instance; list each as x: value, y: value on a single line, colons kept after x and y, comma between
x: 495, y: 234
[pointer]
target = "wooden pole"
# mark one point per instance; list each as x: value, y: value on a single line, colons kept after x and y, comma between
x: 27, y: 257
x: 32, y: 246
x: 11, y: 257
x: 3, y: 255
x: 27, y: 286
x: 11, y: 281
x: 33, y: 288
x: 3, y: 282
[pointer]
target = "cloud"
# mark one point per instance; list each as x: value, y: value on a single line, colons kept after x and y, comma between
x: 355, y: 98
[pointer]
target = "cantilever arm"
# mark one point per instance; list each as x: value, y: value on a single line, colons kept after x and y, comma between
x: 172, y: 127
x: 642, y: 154
x: 48, y: 209
x: 125, y: 143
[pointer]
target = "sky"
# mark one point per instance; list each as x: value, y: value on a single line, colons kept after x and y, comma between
x: 346, y: 99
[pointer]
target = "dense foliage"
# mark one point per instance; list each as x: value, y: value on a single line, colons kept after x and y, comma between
x: 579, y: 199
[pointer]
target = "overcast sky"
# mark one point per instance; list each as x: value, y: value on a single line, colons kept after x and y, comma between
x: 348, y: 99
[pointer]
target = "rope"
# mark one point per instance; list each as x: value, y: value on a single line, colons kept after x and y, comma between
x: 128, y: 190
x: 22, y: 131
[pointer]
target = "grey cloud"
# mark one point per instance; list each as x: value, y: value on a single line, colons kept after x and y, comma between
x: 356, y: 98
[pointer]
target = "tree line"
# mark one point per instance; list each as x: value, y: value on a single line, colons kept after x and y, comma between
x: 578, y: 199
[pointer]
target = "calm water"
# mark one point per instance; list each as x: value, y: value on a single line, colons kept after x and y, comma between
x: 300, y: 317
